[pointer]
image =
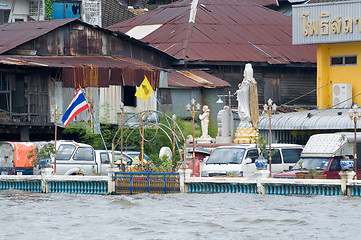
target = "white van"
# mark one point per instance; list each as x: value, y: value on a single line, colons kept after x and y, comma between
x: 240, y: 159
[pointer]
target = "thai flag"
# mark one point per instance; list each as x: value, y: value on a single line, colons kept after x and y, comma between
x: 77, y: 105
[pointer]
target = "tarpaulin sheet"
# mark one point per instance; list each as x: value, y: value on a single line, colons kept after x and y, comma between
x: 21, y: 153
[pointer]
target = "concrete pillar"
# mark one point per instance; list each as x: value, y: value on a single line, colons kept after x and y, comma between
x: 259, y: 175
x: 45, y: 172
x: 346, y: 177
x: 111, y: 180
x: 183, y: 174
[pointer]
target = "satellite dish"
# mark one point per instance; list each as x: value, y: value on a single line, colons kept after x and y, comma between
x: 166, y: 151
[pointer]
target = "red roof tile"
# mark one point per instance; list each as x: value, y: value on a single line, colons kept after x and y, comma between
x: 232, y: 30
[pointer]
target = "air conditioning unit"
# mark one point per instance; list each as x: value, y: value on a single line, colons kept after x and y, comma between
x: 342, y: 95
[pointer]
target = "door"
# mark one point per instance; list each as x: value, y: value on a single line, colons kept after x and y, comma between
x: 334, y: 169
x: 249, y: 169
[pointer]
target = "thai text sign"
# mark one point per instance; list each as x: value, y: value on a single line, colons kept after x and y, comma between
x: 326, y: 23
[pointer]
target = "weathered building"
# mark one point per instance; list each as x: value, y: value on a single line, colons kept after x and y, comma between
x: 222, y: 36
x: 43, y: 63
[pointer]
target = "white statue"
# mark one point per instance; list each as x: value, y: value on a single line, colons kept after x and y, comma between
x: 243, y: 104
x: 248, y: 100
x: 204, y: 117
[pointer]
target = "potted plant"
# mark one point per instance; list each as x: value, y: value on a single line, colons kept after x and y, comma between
x: 319, y: 174
x: 42, y: 157
x: 310, y: 174
x: 345, y: 161
x: 261, y: 144
x: 302, y: 173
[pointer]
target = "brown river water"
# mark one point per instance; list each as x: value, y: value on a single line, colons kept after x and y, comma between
x: 177, y: 216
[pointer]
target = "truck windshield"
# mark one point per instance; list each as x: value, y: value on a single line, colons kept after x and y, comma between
x: 315, y: 163
x: 226, y: 156
x: 65, y: 151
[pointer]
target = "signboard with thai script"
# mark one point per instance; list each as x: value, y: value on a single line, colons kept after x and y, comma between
x: 326, y: 23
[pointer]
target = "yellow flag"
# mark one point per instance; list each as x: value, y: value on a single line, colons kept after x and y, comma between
x: 145, y: 90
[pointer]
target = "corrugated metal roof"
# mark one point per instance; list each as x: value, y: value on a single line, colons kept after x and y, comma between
x: 265, y: 2
x: 194, y: 78
x: 15, y: 34
x: 234, y: 30
x: 92, y: 71
x: 323, y: 119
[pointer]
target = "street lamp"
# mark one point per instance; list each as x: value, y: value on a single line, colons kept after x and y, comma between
x: 270, y: 108
x: 122, y: 114
x: 355, y: 114
x: 193, y: 108
x: 229, y: 98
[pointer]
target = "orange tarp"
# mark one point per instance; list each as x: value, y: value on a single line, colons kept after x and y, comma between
x: 21, y: 153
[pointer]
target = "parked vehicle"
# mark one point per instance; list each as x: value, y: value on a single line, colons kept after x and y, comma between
x: 74, y: 158
x: 104, y: 159
x: 14, y: 157
x: 323, y: 152
x: 240, y: 159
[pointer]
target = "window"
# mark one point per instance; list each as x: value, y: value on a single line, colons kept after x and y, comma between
x: 335, y: 165
x: 126, y: 160
x: 104, y: 158
x: 66, y: 9
x: 65, y: 151
x: 4, y: 95
x: 291, y: 155
x: 4, y: 15
x: 35, y: 8
x: 129, y: 98
x: 276, y: 156
x: 252, y: 154
x: 84, y: 154
x: 343, y: 60
x: 226, y: 156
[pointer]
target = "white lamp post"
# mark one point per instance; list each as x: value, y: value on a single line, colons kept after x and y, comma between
x: 270, y: 108
x: 193, y: 108
x: 355, y: 114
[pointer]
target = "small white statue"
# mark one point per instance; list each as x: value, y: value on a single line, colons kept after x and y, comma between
x: 204, y: 117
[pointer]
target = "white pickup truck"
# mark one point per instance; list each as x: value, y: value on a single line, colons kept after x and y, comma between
x: 74, y: 158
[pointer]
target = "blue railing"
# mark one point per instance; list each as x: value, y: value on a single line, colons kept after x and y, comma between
x: 221, y: 188
x: 303, y: 190
x: 81, y: 187
x: 146, y: 182
x: 355, y: 191
x: 29, y: 186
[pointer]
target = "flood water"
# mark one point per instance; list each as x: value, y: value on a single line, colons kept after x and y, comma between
x: 177, y: 216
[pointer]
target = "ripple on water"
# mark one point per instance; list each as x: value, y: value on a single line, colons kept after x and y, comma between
x: 177, y: 216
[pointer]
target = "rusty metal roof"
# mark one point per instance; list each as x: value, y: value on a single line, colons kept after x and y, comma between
x: 232, y: 30
x: 194, y: 78
x: 265, y: 2
x: 15, y: 34
x: 92, y: 71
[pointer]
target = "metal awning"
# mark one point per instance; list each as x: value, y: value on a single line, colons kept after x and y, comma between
x: 92, y: 71
x: 318, y: 119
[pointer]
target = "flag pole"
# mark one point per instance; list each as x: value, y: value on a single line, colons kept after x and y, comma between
x: 96, y: 123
